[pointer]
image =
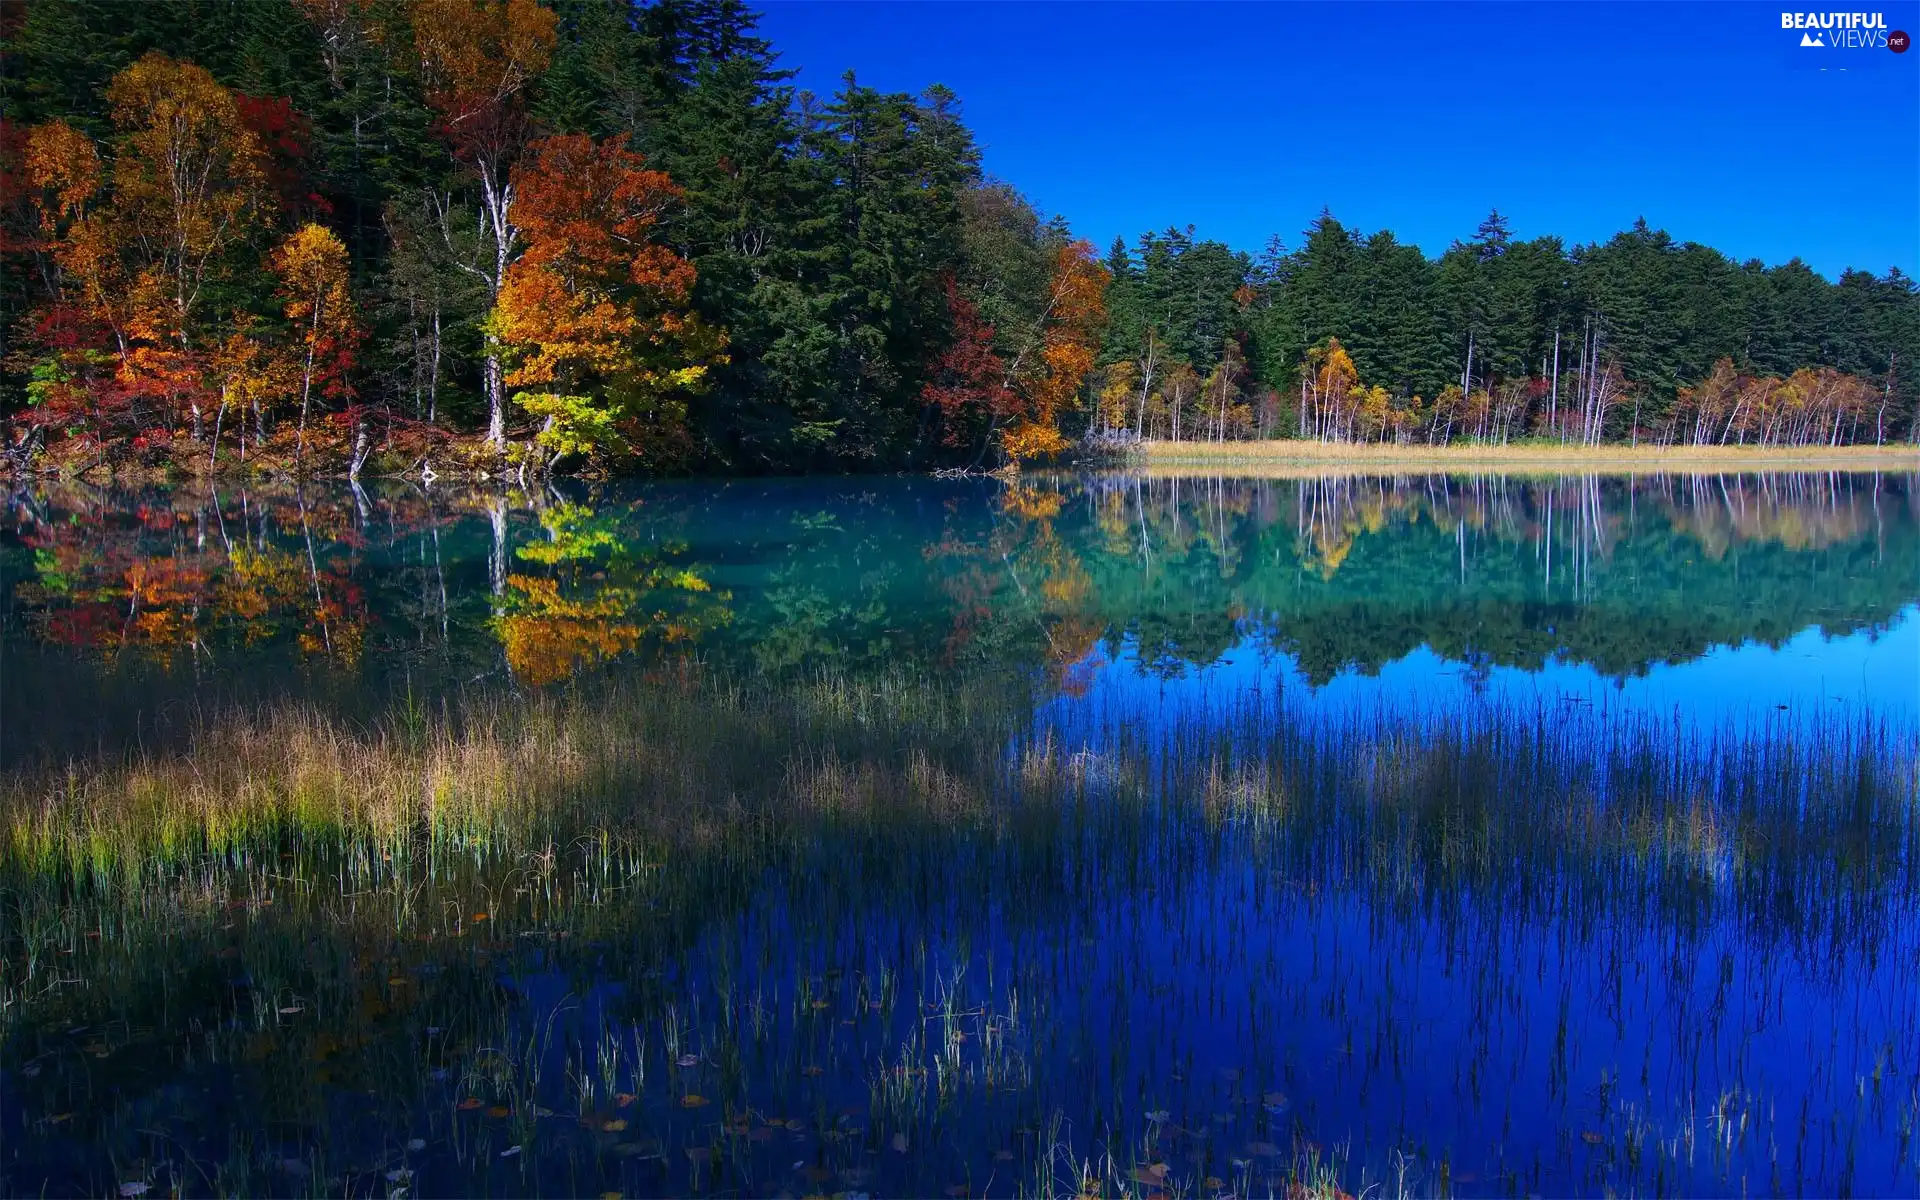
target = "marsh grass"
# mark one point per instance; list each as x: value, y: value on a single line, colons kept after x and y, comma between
x: 1294, y: 458
x: 700, y: 931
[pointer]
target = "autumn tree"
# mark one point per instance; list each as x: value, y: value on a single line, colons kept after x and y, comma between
x: 478, y: 58
x: 139, y: 259
x: 967, y: 383
x: 982, y: 393
x: 1327, y: 388
x: 1072, y: 323
x: 189, y: 185
x: 81, y: 273
x: 1118, y: 385
x: 312, y: 267
x: 593, y: 314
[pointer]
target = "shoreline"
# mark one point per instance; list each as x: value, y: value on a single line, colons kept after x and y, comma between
x: 1287, y: 458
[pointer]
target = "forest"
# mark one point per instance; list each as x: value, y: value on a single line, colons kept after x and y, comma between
x: 590, y: 236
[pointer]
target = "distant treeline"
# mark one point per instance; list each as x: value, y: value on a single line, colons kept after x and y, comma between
x: 310, y: 234
x: 1361, y: 337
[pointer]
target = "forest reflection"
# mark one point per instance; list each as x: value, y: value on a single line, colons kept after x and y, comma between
x: 400, y: 591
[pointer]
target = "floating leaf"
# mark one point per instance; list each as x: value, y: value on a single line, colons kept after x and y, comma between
x: 135, y: 1188
x: 689, y: 1060
x: 692, y: 1101
x: 899, y: 1143
x: 1591, y: 1138
x: 417, y: 1144
x: 623, y: 1099
x: 479, y: 916
x: 613, y: 1126
x: 1159, y: 1116
x: 498, y: 1111
x: 469, y: 1104
x: 510, y: 1152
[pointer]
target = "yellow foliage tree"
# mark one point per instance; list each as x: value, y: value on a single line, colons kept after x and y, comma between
x: 312, y: 266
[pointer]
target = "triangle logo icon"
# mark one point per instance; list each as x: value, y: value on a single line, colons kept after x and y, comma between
x: 1808, y: 39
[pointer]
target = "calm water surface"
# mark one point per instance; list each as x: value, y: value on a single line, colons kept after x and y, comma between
x: 1207, y: 1006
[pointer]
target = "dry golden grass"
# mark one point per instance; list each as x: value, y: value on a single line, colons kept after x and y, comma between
x: 1288, y: 458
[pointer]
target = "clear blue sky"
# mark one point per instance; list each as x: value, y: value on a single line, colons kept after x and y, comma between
x: 1245, y: 119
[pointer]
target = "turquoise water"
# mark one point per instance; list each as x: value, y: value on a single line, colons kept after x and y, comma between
x: 1710, y: 594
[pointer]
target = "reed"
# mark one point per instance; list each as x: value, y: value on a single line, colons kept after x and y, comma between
x: 1299, y: 458
x: 695, y: 930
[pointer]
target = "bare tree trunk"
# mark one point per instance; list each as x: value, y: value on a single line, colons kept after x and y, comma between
x: 214, y: 456
x: 1886, y: 394
x: 1553, y: 403
x: 306, y: 395
x: 360, y: 452
x: 306, y: 385
x: 433, y: 373
x: 498, y: 198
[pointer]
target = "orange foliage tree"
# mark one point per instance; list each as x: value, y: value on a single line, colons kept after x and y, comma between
x: 1076, y: 311
x: 188, y: 189
x: 593, y: 314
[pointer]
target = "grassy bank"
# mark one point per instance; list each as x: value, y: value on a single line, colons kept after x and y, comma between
x: 1288, y: 458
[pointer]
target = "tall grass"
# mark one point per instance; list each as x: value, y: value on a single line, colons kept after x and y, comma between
x: 1299, y: 458
x: 682, y: 931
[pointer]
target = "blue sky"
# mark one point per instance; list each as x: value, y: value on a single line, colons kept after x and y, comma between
x: 1246, y: 119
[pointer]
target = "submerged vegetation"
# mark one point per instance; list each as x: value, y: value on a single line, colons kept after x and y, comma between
x: 700, y: 932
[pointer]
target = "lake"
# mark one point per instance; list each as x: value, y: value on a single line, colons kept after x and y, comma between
x: 1100, y: 834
